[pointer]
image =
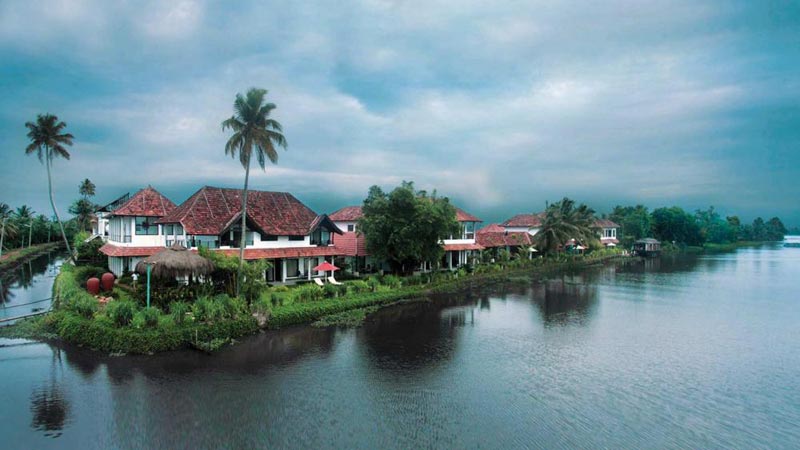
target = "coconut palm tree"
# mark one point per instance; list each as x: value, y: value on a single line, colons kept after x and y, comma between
x: 24, y: 218
x: 48, y: 141
x: 86, y: 189
x: 563, y: 220
x: 252, y: 130
x: 8, y: 227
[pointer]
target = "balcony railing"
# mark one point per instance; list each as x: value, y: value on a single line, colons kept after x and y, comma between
x: 124, y: 238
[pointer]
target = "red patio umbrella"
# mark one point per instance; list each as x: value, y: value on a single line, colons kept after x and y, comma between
x: 325, y: 266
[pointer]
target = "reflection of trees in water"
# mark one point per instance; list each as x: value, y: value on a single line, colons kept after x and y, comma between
x: 418, y: 335
x: 49, y: 406
x: 6, y: 294
x: 570, y: 299
x: 677, y: 263
x: 22, y: 276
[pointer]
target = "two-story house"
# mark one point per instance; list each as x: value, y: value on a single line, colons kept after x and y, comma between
x: 462, y: 249
x: 278, y: 228
x: 133, y: 233
x: 607, y: 230
x: 529, y: 223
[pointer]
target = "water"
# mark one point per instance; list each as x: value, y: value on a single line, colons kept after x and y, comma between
x: 29, y: 282
x: 685, y: 352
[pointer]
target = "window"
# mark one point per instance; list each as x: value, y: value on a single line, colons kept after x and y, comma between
x: 146, y: 226
x: 203, y: 241
x: 269, y: 237
x: 292, y: 268
x: 351, y: 228
x: 297, y: 238
x: 469, y: 230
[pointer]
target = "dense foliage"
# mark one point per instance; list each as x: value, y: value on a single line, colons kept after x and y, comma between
x: 405, y: 227
x: 564, y: 220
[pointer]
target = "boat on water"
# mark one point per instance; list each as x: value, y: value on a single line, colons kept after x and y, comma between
x: 792, y: 241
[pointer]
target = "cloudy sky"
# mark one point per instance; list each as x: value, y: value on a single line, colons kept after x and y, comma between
x: 499, y: 106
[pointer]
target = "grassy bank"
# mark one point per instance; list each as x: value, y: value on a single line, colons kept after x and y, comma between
x: 125, y: 327
x: 14, y: 257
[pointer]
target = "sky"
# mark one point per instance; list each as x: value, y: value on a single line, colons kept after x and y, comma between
x: 500, y: 106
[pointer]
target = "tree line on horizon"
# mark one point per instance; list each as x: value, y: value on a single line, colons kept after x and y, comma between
x: 674, y: 224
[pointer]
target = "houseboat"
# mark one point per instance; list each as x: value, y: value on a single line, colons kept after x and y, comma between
x: 647, y: 247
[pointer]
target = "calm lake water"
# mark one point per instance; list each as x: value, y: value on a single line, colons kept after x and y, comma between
x: 690, y: 352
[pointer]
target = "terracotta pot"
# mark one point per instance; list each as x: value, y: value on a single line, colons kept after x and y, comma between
x: 93, y: 286
x: 107, y: 281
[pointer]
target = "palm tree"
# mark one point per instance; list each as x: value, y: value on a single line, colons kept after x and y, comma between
x: 564, y: 221
x: 24, y: 218
x: 48, y: 141
x: 86, y: 189
x: 7, y: 227
x: 83, y: 210
x: 252, y: 129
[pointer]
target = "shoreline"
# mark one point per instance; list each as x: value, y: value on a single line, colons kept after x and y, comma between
x: 15, y: 257
x: 63, y: 325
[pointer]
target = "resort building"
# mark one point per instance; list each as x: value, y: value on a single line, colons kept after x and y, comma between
x: 528, y: 223
x: 463, y: 248
x: 351, y: 245
x: 132, y: 232
x: 278, y: 228
x: 607, y: 230
x: 494, y: 237
x: 102, y: 215
x: 459, y: 249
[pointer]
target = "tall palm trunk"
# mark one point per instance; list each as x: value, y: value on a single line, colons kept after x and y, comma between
x: 3, y: 235
x: 55, y: 210
x: 243, y: 239
x: 30, y: 232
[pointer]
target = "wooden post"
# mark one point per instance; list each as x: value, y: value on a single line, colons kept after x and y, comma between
x: 149, y: 266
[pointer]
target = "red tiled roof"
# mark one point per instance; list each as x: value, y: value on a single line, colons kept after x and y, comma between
x: 351, y: 244
x: 211, y: 210
x: 524, y: 220
x: 290, y: 252
x: 463, y: 216
x: 495, y: 236
x: 347, y: 214
x: 146, y: 202
x: 605, y: 223
x: 457, y: 247
x: 606, y: 241
x: 119, y: 251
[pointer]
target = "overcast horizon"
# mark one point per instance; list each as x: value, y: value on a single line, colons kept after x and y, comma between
x: 500, y: 108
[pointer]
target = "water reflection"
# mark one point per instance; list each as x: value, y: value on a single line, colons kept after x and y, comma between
x: 566, y: 300
x: 49, y: 406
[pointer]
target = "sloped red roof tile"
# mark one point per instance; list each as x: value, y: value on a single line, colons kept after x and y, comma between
x: 605, y: 223
x: 495, y: 236
x: 146, y: 202
x: 347, y: 214
x: 290, y: 252
x: 211, y: 210
x: 120, y: 251
x: 457, y: 247
x: 463, y: 216
x: 351, y: 244
x: 524, y: 220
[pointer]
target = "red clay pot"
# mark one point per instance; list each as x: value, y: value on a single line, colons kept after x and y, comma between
x: 93, y: 286
x: 107, y: 281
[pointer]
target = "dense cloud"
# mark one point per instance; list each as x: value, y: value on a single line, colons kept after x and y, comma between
x: 499, y: 107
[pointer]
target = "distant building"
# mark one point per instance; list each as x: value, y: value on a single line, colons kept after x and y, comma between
x: 607, y: 230
x: 647, y: 247
x: 529, y: 223
x: 494, y: 237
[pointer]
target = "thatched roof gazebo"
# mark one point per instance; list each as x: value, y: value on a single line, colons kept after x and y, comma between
x: 174, y: 262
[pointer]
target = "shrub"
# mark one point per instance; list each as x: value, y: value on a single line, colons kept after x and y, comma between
x: 86, y: 306
x: 308, y: 293
x: 373, y: 283
x: 121, y: 312
x: 331, y: 290
x: 391, y: 281
x: 359, y: 286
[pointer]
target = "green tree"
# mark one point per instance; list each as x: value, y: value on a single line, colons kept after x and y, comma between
x: 712, y: 227
x: 86, y: 189
x: 759, y: 230
x: 775, y: 230
x: 676, y: 225
x: 405, y: 227
x: 7, y: 226
x: 252, y: 129
x: 23, y: 216
x: 83, y: 210
x: 735, y: 225
x: 563, y: 220
x: 48, y: 141
x: 634, y: 222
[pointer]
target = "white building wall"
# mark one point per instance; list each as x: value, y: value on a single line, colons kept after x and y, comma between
x: 530, y: 230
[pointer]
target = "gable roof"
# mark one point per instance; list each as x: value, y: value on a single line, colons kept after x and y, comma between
x: 146, y: 202
x: 605, y: 223
x: 211, y: 210
x: 347, y: 214
x: 524, y: 220
x: 496, y: 236
x: 463, y: 216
